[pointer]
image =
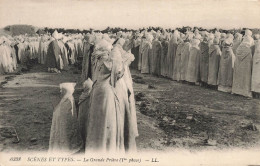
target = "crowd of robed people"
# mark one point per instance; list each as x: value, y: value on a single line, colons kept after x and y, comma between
x: 106, y: 118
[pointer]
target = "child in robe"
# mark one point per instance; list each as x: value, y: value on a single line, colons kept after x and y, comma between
x: 65, y: 136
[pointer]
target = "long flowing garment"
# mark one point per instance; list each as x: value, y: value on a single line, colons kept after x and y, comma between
x: 41, y: 52
x: 204, y: 62
x: 256, y: 68
x: 107, y: 125
x: 86, y: 63
x: 53, y: 55
x: 214, y: 58
x: 171, y: 56
x: 177, y: 63
x: 65, y: 136
x: 235, y: 45
x: 225, y: 74
x: 165, y: 45
x: 71, y: 52
x: 84, y: 103
x: 242, y: 71
x: 64, y: 54
x: 135, y: 51
x: 140, y: 54
x: 5, y: 59
x: 184, y: 60
x: 156, y: 58
x: 146, y: 57
x: 193, y: 65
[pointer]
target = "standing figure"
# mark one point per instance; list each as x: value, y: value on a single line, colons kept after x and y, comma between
x: 185, y: 58
x: 193, y: 65
x: 156, y: 56
x: 53, y: 55
x: 214, y: 58
x: 177, y: 61
x: 225, y: 74
x: 204, y: 61
x: 65, y: 136
x: 146, y: 54
x: 256, y: 68
x: 172, y: 53
x: 243, y: 69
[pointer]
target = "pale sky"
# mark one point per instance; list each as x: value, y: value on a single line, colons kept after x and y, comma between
x: 99, y: 14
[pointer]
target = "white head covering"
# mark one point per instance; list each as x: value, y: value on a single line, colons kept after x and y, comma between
x: 2, y: 39
x: 88, y: 84
x: 69, y: 88
x: 238, y: 36
x: 121, y: 41
x: 257, y: 36
x: 229, y: 35
x: 149, y: 37
x: 216, y: 40
x: 248, y: 32
x: 247, y: 41
x: 55, y: 34
x: 211, y: 36
x: 103, y: 45
x: 217, y: 34
x: 228, y: 41
x: 195, y: 43
x: 197, y: 36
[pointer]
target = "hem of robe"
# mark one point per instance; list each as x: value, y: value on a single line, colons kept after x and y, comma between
x: 211, y: 83
x: 224, y: 89
x: 241, y: 92
x: 256, y: 90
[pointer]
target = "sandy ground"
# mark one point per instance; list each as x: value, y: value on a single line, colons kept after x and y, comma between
x: 170, y: 115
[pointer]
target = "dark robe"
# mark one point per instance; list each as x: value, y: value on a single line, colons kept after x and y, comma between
x: 156, y: 58
x: 52, y: 59
x: 177, y: 63
x: 86, y: 63
x: 204, y: 62
x: 165, y: 44
x: 214, y: 57
x: 135, y: 51
x: 171, y: 57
